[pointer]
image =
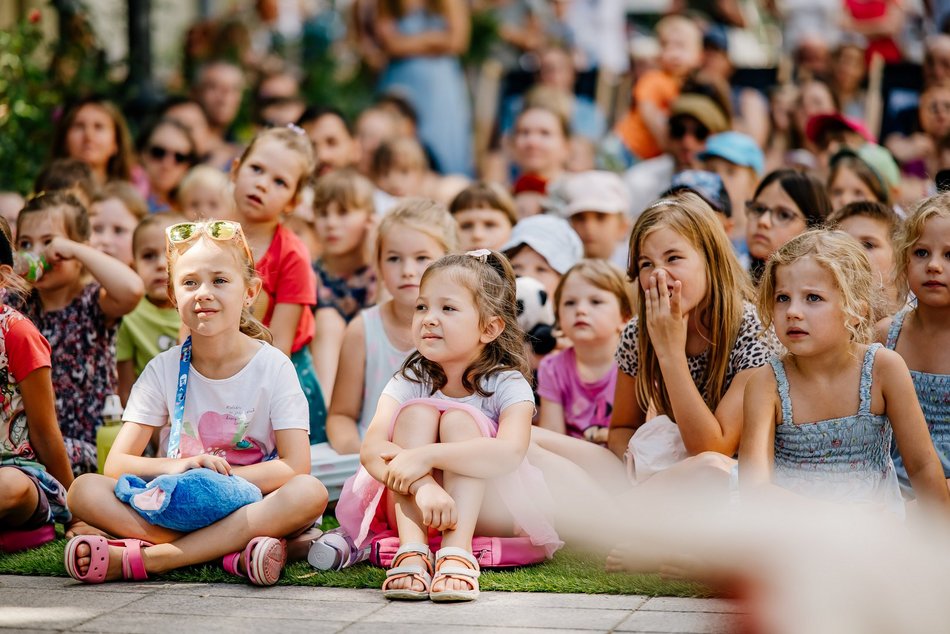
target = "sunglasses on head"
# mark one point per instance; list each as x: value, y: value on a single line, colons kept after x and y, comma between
x: 159, y: 153
x: 223, y: 230
x: 679, y: 128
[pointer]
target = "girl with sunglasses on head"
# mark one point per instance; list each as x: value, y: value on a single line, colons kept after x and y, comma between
x: 240, y: 412
x: 786, y: 203
x: 167, y: 151
x: 76, y: 305
x: 268, y: 179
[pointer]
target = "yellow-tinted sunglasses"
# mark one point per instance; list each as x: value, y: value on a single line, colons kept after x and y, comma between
x: 223, y: 230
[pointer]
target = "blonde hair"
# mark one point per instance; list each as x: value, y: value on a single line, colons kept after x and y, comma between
x: 937, y: 206
x: 425, y: 216
x: 491, y: 281
x: 294, y: 139
x: 124, y: 192
x: 347, y: 188
x: 249, y: 325
x: 604, y: 275
x: 12, y: 283
x: 205, y: 176
x: 727, y: 288
x: 847, y: 262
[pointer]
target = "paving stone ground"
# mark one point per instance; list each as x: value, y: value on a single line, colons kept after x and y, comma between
x: 42, y: 604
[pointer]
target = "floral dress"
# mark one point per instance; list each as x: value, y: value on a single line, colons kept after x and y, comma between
x: 84, y: 369
x: 347, y: 295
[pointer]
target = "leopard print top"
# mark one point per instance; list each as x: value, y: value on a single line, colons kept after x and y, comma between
x: 751, y: 350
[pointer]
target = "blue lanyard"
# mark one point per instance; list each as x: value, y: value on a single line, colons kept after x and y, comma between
x: 184, y: 365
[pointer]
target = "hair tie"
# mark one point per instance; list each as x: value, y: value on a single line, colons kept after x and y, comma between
x: 479, y: 254
x: 296, y: 129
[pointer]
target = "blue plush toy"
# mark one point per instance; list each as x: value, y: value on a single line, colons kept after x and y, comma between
x: 186, y: 501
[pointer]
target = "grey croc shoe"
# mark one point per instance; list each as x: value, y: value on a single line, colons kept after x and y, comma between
x: 468, y: 572
x: 411, y: 571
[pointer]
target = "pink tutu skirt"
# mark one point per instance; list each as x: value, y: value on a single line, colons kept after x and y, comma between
x: 362, y: 511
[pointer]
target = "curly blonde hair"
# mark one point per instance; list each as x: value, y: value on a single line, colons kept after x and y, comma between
x: 847, y: 262
x: 937, y: 206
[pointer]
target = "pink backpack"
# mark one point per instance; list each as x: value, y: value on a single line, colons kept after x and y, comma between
x: 491, y: 552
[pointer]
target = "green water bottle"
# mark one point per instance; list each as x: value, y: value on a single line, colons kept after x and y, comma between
x: 31, y: 266
x: 111, y: 423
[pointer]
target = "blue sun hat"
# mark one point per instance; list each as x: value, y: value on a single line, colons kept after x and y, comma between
x: 735, y: 147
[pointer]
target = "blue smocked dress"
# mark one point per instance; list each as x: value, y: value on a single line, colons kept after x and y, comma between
x: 843, y: 460
x: 933, y: 393
x: 435, y: 85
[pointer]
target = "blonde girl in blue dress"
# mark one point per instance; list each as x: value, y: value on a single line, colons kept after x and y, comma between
x: 820, y: 420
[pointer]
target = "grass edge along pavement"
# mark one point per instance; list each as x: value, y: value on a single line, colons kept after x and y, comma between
x: 568, y: 572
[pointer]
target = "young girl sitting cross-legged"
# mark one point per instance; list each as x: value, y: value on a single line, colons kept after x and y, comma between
x: 241, y: 412
x: 446, y: 449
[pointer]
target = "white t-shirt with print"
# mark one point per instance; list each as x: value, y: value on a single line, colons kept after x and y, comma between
x: 234, y: 417
x: 508, y: 387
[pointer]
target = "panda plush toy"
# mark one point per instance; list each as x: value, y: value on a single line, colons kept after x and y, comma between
x: 536, y: 314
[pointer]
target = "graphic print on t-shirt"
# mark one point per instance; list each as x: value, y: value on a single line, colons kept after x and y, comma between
x: 222, y: 434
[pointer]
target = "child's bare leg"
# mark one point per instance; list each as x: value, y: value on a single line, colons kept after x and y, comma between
x: 705, y: 476
x: 92, y: 499
x: 468, y: 493
x: 584, y: 514
x: 18, y: 497
x: 415, y: 426
x: 290, y: 508
x: 603, y: 466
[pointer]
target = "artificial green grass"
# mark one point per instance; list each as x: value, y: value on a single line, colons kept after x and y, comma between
x: 567, y: 572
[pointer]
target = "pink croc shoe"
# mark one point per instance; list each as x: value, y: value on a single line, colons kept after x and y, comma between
x: 132, y: 565
x: 264, y: 558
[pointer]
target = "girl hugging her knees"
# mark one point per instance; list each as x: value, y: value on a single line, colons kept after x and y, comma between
x: 445, y: 452
x: 236, y: 410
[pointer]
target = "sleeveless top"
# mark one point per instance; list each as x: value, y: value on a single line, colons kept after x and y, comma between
x: 383, y: 360
x: 844, y: 459
x: 933, y: 393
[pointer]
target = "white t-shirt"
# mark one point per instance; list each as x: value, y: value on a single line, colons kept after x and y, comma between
x: 508, y: 388
x: 233, y: 417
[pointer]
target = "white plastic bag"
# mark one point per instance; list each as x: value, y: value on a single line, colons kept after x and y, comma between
x: 655, y: 446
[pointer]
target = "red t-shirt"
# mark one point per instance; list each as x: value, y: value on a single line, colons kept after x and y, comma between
x: 23, y: 350
x: 288, y: 279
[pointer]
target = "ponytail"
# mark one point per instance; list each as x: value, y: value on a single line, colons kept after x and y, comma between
x: 253, y: 328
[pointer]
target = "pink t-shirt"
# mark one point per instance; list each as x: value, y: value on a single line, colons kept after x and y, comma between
x: 585, y: 404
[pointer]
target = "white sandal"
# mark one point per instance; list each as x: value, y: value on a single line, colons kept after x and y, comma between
x: 412, y: 571
x: 468, y: 572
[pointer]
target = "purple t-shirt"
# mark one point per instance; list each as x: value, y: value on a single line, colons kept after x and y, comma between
x: 585, y: 404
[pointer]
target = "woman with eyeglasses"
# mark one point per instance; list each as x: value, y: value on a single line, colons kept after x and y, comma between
x: 167, y: 151
x: 786, y: 203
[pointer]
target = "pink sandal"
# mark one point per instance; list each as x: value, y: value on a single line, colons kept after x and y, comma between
x: 264, y: 559
x: 132, y: 565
